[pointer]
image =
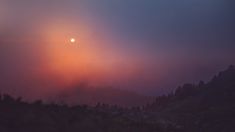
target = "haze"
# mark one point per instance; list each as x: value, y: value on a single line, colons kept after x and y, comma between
x: 147, y: 47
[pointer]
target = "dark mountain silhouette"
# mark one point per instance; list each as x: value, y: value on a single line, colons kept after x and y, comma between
x: 205, y: 107
x: 18, y: 116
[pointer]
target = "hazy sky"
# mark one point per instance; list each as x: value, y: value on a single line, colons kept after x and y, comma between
x: 147, y: 46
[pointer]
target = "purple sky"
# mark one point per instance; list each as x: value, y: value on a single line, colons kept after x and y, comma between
x: 146, y: 46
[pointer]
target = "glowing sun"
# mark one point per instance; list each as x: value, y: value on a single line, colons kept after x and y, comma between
x: 72, y: 40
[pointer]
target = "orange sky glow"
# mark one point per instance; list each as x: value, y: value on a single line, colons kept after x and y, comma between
x: 88, y: 59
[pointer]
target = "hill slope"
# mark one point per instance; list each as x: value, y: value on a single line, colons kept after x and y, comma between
x: 203, y: 107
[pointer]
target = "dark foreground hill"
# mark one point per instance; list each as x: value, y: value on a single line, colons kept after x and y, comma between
x: 17, y: 116
x: 203, y: 107
x: 206, y: 107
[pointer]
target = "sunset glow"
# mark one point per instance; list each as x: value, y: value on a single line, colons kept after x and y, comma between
x: 110, y: 44
x: 117, y: 65
x: 72, y: 40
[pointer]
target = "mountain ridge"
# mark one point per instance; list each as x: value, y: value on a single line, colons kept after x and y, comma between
x: 203, y: 107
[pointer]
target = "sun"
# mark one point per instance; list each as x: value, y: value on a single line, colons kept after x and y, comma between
x: 72, y: 40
